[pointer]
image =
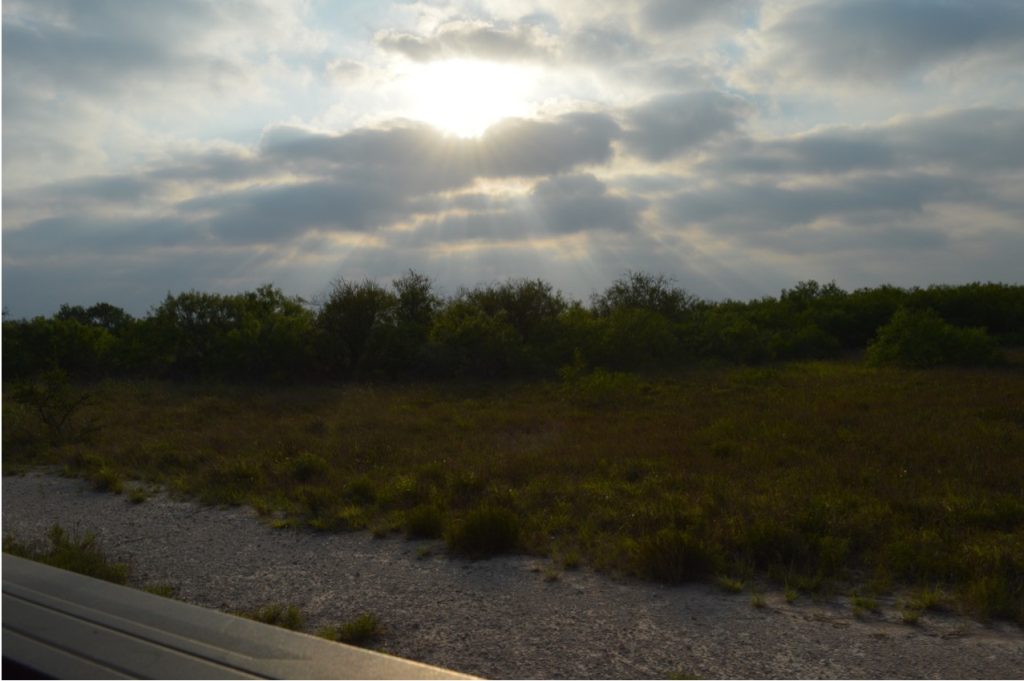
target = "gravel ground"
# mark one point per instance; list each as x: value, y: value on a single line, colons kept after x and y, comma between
x: 505, y: 617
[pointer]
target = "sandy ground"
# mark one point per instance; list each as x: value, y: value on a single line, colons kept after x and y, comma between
x: 505, y: 617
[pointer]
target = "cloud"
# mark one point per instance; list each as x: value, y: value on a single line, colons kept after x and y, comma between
x: 343, y: 71
x: 762, y: 207
x: 670, y: 15
x: 417, y: 157
x: 885, y: 40
x: 671, y: 125
x: 577, y: 203
x: 560, y: 206
x: 970, y: 141
x: 516, y: 42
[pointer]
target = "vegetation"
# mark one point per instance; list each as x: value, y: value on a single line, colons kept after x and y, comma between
x: 519, y: 328
x: 67, y: 551
x: 277, y: 614
x: 649, y: 433
x: 360, y: 631
x: 813, y: 475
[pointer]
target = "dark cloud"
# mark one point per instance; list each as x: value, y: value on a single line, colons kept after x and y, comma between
x: 671, y: 125
x: 886, y: 39
x: 578, y: 203
x: 420, y: 158
x: 765, y: 206
x: 670, y: 15
x: 530, y: 147
x: 281, y: 213
x: 566, y: 204
x: 73, y: 236
x: 469, y: 39
x: 975, y: 141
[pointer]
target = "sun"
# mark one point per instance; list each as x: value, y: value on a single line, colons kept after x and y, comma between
x: 465, y: 97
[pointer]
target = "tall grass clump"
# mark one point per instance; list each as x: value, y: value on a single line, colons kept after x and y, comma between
x: 485, y: 532
x: 674, y: 556
x: 277, y: 614
x: 67, y: 551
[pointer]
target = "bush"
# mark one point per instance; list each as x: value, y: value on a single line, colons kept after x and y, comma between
x: 360, y: 631
x: 74, y: 553
x: 424, y: 522
x: 674, y: 556
x: 485, y: 532
x: 921, y: 338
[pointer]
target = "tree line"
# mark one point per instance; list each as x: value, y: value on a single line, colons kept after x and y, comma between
x: 363, y: 330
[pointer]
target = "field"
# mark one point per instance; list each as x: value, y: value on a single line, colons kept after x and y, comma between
x: 821, y: 477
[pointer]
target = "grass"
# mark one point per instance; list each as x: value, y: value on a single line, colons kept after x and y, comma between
x: 823, y: 476
x: 277, y: 614
x: 729, y: 585
x: 863, y: 605
x: 360, y: 631
x: 161, y: 589
x: 70, y: 551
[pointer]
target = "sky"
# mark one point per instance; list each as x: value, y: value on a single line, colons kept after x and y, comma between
x: 737, y: 146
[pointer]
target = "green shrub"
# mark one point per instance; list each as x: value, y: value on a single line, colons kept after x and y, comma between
x: 671, y: 555
x: 485, y: 532
x: 277, y: 614
x: 307, y: 467
x: 921, y: 338
x: 71, y: 552
x: 360, y: 631
x: 424, y: 522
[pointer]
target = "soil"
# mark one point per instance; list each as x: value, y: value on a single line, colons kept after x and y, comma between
x: 507, y: 617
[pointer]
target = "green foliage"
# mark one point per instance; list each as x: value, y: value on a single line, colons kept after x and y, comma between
x: 642, y: 291
x: 674, y: 556
x: 277, y: 614
x: 360, y: 631
x: 920, y: 339
x: 58, y: 407
x: 424, y: 522
x: 72, y: 552
x: 485, y: 532
x: 161, y: 589
x: 518, y: 328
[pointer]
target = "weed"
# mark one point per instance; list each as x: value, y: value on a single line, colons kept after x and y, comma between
x: 910, y: 615
x: 161, y: 589
x: 791, y: 594
x: 361, y: 631
x: 671, y: 555
x: 106, y: 479
x: 757, y: 600
x: 424, y: 552
x: 307, y: 467
x: 277, y: 614
x: 424, y: 522
x: 72, y: 552
x: 862, y: 605
x: 361, y: 490
x: 137, y: 495
x: 733, y: 586
x: 570, y: 559
x: 485, y: 532
x: 551, y: 573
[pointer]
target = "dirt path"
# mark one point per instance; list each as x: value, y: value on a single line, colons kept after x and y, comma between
x: 504, y: 617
